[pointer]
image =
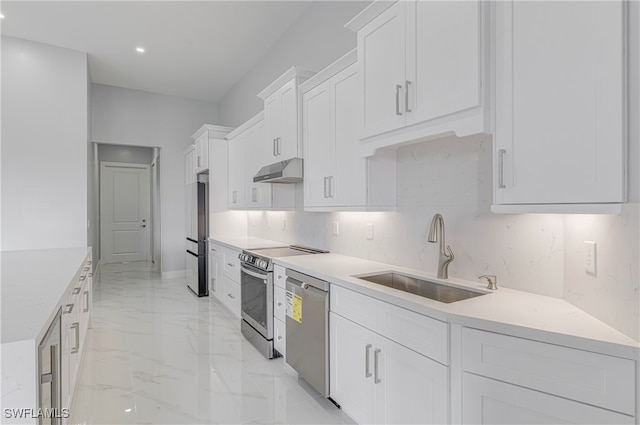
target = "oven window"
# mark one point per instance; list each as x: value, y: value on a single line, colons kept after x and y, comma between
x: 254, y: 296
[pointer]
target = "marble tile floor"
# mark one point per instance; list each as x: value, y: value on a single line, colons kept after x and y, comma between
x: 157, y: 354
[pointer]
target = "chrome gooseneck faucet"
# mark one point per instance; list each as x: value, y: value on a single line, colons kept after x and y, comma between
x: 444, y: 258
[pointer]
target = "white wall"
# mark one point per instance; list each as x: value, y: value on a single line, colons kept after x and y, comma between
x: 126, y: 154
x: 44, y: 146
x: 314, y: 41
x: 132, y: 117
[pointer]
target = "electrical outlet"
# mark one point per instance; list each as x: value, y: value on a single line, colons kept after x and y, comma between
x: 590, y: 258
x: 369, y: 231
x: 336, y: 228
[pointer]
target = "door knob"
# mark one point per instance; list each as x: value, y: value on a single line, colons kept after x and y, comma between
x: 143, y: 226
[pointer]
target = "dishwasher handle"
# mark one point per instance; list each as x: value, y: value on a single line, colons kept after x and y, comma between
x: 309, y: 282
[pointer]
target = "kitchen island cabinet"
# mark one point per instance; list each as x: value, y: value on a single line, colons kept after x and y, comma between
x: 36, y: 286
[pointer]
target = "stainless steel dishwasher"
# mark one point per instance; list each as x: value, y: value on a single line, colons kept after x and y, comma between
x: 307, y: 332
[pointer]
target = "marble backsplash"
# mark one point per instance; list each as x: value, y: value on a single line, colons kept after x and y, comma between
x: 539, y: 253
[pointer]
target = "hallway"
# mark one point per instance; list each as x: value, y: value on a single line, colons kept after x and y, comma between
x: 158, y: 354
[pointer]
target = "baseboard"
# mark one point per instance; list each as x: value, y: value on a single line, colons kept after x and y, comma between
x: 174, y: 273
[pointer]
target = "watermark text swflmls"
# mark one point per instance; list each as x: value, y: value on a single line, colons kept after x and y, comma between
x: 46, y: 413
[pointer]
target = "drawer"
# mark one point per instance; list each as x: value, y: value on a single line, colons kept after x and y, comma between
x: 231, y: 296
x: 279, y: 276
x: 279, y: 336
x: 353, y: 306
x: 592, y: 378
x: 216, y: 250
x: 279, y: 303
x: 493, y: 402
x: 427, y: 336
x: 232, y: 264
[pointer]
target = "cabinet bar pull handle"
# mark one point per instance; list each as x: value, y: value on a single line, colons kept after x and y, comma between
x: 330, y: 186
x: 407, y: 83
x: 69, y: 307
x: 398, y: 88
x: 76, y: 291
x: 376, y: 377
x: 75, y: 349
x: 325, y: 187
x: 254, y: 194
x: 501, y: 153
x: 275, y: 152
x: 199, y: 163
x: 279, y: 146
x: 86, y: 299
x: 231, y: 296
x: 230, y: 264
x: 367, y: 371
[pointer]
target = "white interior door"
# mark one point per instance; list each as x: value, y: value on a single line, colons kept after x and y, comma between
x: 124, y: 212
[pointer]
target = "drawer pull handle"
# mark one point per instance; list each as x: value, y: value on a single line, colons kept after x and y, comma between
x: 76, y: 291
x: 501, y: 153
x: 231, y: 296
x: 68, y: 309
x: 398, y: 88
x: 367, y: 370
x: 376, y: 377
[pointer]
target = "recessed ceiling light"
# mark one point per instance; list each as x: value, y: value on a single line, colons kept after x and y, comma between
x: 1, y: 15
x: 140, y: 49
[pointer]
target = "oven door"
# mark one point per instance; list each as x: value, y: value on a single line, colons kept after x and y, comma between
x: 256, y: 287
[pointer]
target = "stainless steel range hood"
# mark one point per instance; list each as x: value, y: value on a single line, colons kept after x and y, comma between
x: 289, y: 171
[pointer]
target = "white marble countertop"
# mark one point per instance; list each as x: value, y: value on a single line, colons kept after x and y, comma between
x: 32, y: 284
x: 246, y: 242
x: 506, y: 311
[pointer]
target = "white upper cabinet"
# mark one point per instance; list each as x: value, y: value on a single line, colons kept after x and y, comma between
x: 190, y: 165
x: 560, y: 106
x: 247, y: 155
x: 281, y: 115
x: 336, y: 177
x: 202, y: 140
x: 422, y: 71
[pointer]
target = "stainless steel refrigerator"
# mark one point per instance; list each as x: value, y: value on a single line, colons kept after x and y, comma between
x: 198, y: 225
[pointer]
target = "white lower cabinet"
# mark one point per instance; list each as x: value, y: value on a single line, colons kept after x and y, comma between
x: 510, y: 380
x: 214, y: 268
x: 486, y: 401
x: 279, y: 307
x: 376, y: 379
x: 228, y: 291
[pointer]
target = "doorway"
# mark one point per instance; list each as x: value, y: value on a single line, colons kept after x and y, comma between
x: 125, y: 205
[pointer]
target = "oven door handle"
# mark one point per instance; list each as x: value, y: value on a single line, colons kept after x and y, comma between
x: 254, y: 274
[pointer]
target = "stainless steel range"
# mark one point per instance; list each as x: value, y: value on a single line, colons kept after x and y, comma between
x: 256, y: 287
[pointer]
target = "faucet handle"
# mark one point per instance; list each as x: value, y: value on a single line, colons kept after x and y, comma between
x: 492, y: 281
x: 449, y: 254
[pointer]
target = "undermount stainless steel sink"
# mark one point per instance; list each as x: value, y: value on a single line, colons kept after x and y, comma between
x: 424, y: 288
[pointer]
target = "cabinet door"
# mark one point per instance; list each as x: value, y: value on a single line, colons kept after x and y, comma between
x: 273, y: 122
x: 350, y: 352
x: 411, y: 388
x: 443, y: 58
x: 190, y: 166
x: 288, y: 139
x: 559, y: 134
x: 236, y: 173
x: 319, y: 145
x: 381, y: 55
x: 348, y: 186
x: 231, y: 296
x: 258, y: 194
x: 202, y: 153
x: 485, y: 401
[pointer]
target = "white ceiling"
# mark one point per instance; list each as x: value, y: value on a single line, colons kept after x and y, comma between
x: 194, y: 49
